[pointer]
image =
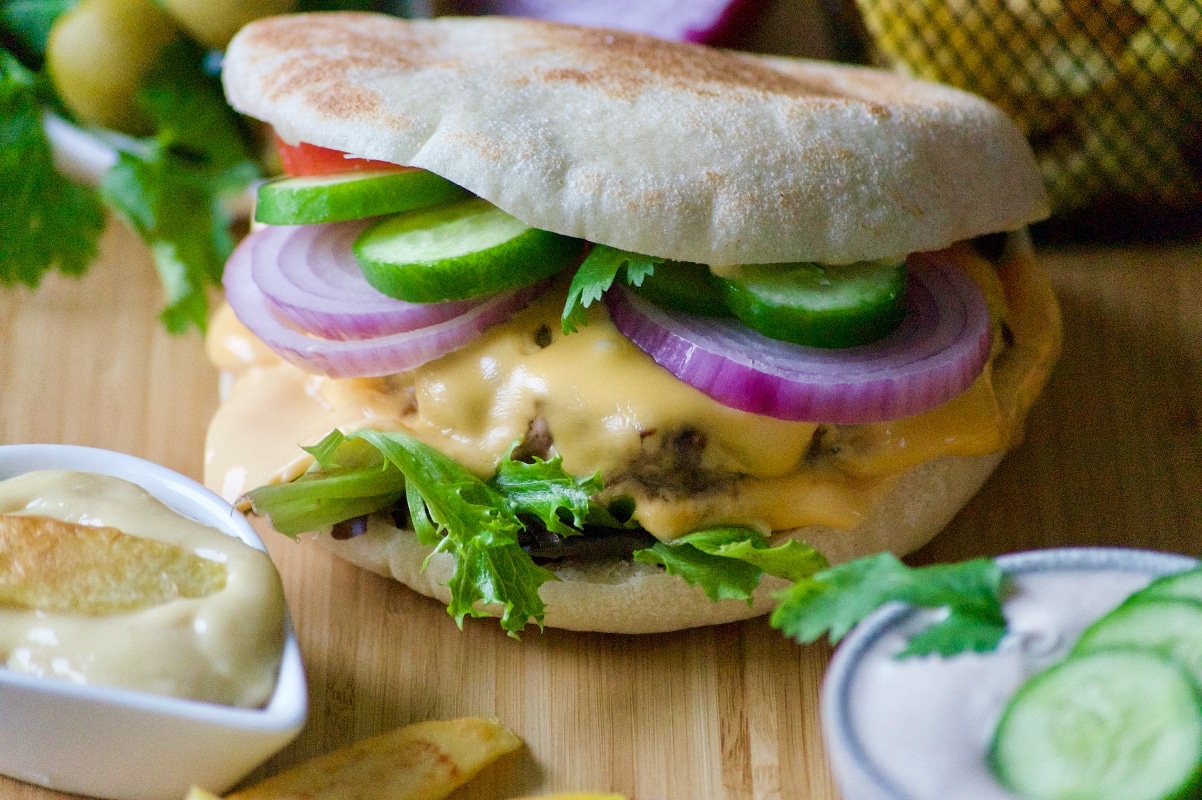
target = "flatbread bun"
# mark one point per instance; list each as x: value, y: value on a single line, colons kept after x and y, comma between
x: 662, y: 148
x: 671, y: 150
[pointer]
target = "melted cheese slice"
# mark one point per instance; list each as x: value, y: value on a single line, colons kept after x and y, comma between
x: 687, y: 461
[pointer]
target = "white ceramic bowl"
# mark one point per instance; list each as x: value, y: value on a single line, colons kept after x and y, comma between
x: 920, y: 728
x: 129, y: 745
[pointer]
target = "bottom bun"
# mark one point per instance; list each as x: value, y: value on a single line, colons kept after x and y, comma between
x: 619, y: 596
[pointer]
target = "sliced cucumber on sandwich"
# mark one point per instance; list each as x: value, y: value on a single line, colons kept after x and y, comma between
x: 351, y: 195
x: 438, y: 243
x: 818, y: 305
x: 459, y: 250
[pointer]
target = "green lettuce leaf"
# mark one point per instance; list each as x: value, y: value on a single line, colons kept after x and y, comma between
x: 353, y: 480
x: 476, y: 522
x: 596, y: 274
x: 545, y: 490
x: 478, y: 526
x: 832, y: 601
x: 720, y: 578
x: 51, y: 222
x: 728, y: 563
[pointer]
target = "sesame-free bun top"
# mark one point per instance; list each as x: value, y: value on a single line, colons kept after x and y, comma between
x: 662, y: 148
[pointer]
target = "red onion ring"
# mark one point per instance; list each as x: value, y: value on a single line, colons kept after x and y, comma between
x: 309, y: 275
x: 935, y: 354
x: 382, y: 355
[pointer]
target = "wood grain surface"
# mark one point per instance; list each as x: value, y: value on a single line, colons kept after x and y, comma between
x: 1113, y: 456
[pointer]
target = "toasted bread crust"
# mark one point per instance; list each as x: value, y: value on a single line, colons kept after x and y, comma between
x: 657, y: 147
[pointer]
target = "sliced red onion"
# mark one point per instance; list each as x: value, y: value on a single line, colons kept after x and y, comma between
x: 934, y: 355
x: 382, y: 355
x: 704, y: 21
x: 309, y: 275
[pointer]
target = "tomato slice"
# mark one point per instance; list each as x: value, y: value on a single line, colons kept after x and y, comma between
x: 309, y: 159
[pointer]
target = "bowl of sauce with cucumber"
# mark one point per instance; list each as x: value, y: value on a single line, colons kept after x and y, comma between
x: 1095, y: 690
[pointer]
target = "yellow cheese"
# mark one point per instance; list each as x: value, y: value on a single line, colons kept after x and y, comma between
x: 610, y: 409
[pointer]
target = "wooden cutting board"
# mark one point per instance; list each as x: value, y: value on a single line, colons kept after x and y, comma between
x: 1113, y: 456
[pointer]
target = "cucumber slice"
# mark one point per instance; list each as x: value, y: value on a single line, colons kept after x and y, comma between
x: 1116, y: 724
x: 1169, y: 627
x: 817, y: 305
x: 687, y: 287
x: 458, y: 250
x: 351, y: 195
x: 1182, y: 585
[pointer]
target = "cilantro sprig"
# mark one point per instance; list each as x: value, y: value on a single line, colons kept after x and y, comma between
x: 48, y: 222
x: 596, y: 274
x: 832, y: 601
x: 171, y: 187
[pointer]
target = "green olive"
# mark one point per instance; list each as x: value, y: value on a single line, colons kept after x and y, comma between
x: 98, y: 54
x: 214, y: 22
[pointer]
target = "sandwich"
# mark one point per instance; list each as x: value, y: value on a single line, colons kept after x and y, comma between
x: 602, y: 332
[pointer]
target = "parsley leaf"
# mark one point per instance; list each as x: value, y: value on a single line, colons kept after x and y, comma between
x: 171, y: 190
x: 30, y: 21
x: 596, y: 274
x: 51, y: 221
x: 727, y: 563
x: 834, y: 600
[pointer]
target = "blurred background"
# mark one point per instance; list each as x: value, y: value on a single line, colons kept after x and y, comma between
x: 1109, y: 93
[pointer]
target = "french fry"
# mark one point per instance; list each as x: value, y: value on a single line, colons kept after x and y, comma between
x: 197, y: 793
x: 421, y: 761
x: 557, y: 796
x: 50, y: 565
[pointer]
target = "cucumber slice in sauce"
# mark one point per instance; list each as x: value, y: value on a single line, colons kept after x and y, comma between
x: 1182, y: 585
x: 351, y: 195
x: 458, y: 250
x: 1168, y: 627
x: 1116, y: 724
x: 818, y: 305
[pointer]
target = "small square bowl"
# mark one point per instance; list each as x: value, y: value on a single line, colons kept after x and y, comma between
x: 919, y: 728
x: 129, y: 745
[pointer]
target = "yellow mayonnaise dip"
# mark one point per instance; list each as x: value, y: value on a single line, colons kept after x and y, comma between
x: 223, y: 645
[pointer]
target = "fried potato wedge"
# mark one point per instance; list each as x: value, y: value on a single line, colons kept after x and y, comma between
x: 566, y: 796
x: 197, y: 793
x: 50, y: 565
x: 421, y: 761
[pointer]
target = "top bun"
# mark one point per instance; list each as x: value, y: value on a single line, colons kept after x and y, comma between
x: 662, y: 148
